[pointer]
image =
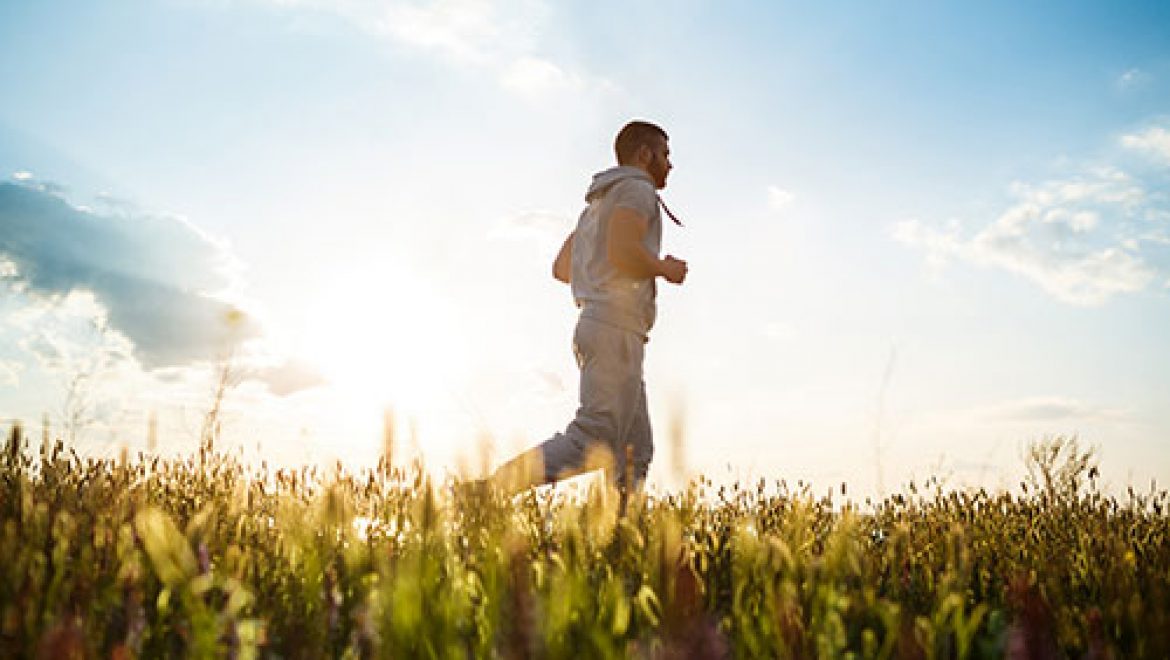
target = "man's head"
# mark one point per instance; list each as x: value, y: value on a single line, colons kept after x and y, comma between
x: 644, y: 145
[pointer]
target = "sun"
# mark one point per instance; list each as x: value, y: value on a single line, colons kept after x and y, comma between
x: 384, y: 338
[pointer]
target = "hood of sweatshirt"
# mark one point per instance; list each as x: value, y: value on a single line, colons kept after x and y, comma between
x: 603, y: 181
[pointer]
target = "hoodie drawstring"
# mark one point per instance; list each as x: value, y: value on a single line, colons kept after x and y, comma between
x: 668, y: 212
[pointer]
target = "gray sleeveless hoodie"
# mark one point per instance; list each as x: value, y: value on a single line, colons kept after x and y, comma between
x: 602, y: 292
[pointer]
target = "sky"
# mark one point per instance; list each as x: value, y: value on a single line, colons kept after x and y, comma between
x: 921, y: 235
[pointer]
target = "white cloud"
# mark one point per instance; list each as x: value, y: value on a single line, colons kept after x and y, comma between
x: 1050, y: 409
x: 1132, y: 79
x: 501, y: 37
x: 471, y: 30
x: 1083, y: 239
x: 532, y: 224
x: 71, y: 364
x: 779, y: 199
x: 1154, y: 141
x: 535, y: 77
x: 10, y: 373
x: 779, y: 331
x: 468, y: 31
x: 67, y: 334
x: 287, y: 378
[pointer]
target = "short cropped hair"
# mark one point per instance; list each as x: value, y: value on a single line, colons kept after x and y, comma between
x: 633, y: 136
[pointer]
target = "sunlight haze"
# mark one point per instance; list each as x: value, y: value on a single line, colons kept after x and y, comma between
x: 920, y: 235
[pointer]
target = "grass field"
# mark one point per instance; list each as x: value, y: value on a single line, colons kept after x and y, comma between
x: 206, y: 557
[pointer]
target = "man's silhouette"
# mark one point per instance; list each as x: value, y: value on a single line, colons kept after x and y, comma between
x: 611, y: 263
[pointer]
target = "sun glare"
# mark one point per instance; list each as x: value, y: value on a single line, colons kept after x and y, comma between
x: 384, y: 339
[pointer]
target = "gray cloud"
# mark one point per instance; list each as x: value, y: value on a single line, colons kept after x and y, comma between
x: 154, y: 276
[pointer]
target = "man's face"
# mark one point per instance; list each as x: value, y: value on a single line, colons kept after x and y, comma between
x: 658, y: 165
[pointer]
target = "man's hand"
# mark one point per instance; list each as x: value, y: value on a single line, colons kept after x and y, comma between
x: 673, y: 269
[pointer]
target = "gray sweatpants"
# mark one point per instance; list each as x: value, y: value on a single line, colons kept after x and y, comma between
x: 613, y: 412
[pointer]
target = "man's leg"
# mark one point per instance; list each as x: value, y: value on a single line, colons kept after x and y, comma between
x: 640, y: 439
x: 611, y: 365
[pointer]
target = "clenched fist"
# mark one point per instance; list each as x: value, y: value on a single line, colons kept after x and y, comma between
x: 674, y: 270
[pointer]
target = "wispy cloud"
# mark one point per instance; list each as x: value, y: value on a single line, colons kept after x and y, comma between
x: 10, y: 373
x: 1051, y: 409
x: 531, y: 224
x: 779, y: 331
x: 156, y: 278
x: 1153, y: 141
x: 502, y: 38
x: 464, y: 30
x: 535, y: 77
x: 779, y: 198
x: 1084, y: 238
x: 288, y: 378
x: 1132, y: 79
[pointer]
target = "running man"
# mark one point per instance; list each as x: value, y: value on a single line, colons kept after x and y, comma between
x: 611, y: 263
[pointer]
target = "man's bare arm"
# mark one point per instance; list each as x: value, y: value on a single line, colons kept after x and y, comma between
x: 563, y: 264
x: 626, y: 252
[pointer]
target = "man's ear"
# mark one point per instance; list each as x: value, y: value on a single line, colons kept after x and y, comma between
x: 645, y: 154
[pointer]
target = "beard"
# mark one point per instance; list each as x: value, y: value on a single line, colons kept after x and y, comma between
x: 658, y: 172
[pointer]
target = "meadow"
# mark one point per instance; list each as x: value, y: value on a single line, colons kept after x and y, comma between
x: 208, y: 557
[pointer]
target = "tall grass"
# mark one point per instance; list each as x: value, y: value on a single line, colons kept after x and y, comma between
x: 205, y: 557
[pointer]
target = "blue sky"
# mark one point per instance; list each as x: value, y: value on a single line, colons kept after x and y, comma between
x: 920, y: 235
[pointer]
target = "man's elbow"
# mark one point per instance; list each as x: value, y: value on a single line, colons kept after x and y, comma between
x: 560, y: 273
